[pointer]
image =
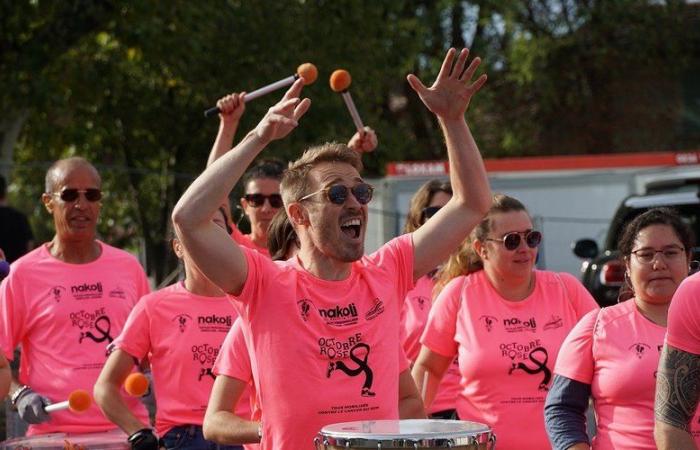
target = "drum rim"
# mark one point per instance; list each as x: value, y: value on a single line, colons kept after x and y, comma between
x: 354, y: 439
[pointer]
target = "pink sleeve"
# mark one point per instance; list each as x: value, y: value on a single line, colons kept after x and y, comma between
x: 575, y: 359
x: 439, y: 333
x: 683, y: 330
x: 143, y: 287
x: 396, y: 257
x: 260, y: 268
x: 233, y: 360
x: 12, y: 315
x: 581, y: 299
x: 135, y: 337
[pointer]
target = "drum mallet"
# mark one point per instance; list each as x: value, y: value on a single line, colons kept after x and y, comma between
x: 306, y: 71
x: 136, y: 384
x: 340, y: 82
x: 78, y: 401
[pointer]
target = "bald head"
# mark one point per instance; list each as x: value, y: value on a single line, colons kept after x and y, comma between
x: 58, y: 170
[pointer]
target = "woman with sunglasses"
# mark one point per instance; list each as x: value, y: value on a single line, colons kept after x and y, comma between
x: 505, y: 321
x: 612, y: 355
x: 180, y: 329
x: 427, y: 200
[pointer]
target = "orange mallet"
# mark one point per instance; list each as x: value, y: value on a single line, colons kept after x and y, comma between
x: 78, y: 401
x: 340, y: 82
x: 306, y: 71
x: 136, y: 384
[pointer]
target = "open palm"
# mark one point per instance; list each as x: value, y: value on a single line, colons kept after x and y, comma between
x: 452, y: 90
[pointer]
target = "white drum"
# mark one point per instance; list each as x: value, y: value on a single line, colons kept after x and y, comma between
x: 415, y: 434
x: 108, y: 440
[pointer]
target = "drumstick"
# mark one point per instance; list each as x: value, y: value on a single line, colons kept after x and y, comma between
x: 306, y: 71
x: 340, y: 82
x: 78, y: 401
x: 136, y: 384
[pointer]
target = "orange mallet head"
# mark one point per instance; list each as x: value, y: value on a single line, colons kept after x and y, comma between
x: 308, y: 73
x: 136, y: 384
x: 340, y: 80
x: 79, y: 400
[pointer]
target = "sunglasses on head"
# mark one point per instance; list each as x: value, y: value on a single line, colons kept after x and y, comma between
x: 338, y: 193
x: 71, y: 195
x: 511, y: 241
x: 257, y: 200
x: 430, y: 211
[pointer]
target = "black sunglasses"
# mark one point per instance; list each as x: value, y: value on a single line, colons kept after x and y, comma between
x: 71, y: 195
x: 511, y: 241
x: 257, y: 200
x: 338, y: 193
x: 429, y: 212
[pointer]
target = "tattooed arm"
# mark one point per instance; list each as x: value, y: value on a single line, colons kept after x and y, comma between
x: 677, y: 394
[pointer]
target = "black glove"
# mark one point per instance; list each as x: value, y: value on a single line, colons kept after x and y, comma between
x: 30, y: 406
x: 144, y: 439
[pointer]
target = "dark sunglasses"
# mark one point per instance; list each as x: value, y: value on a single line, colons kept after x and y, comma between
x: 511, y: 241
x: 430, y: 212
x: 71, y: 195
x: 257, y: 200
x: 338, y: 193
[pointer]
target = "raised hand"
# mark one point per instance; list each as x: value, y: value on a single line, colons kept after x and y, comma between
x: 363, y: 141
x: 232, y: 107
x: 449, y: 96
x: 283, y: 117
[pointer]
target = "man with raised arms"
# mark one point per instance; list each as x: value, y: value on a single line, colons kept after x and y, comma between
x: 323, y: 328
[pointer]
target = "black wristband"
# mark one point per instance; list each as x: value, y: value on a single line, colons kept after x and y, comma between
x: 144, y: 439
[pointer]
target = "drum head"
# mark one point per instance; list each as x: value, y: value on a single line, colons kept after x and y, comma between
x: 417, y: 433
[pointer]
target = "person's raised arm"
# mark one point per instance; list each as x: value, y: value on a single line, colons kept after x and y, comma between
x: 221, y: 425
x: 448, y: 98
x: 211, y: 248
x: 677, y: 395
x: 232, y: 107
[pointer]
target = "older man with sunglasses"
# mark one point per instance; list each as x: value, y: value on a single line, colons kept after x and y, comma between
x: 64, y: 302
x: 323, y: 328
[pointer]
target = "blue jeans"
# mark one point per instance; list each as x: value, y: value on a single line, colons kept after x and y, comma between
x: 190, y: 437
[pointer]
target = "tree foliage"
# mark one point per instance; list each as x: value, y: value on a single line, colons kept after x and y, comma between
x: 125, y: 83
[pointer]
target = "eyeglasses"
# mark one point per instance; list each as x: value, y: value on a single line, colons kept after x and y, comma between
x: 511, y: 241
x: 257, y: 200
x: 338, y: 193
x: 670, y: 254
x: 429, y: 212
x: 71, y: 195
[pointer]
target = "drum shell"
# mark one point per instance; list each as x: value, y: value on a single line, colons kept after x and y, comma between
x: 108, y: 440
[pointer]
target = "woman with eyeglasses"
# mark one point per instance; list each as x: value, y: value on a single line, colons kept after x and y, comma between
x: 505, y: 321
x: 427, y: 200
x: 612, y: 355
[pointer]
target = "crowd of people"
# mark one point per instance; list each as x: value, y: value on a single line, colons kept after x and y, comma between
x: 272, y: 335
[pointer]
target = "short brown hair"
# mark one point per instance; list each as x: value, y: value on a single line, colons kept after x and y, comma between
x: 295, y: 183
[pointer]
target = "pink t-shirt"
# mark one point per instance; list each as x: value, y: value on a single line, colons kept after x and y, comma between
x: 64, y: 316
x: 617, y: 352
x: 414, y: 316
x: 244, y: 240
x: 182, y: 333
x: 324, y: 351
x: 684, y: 316
x: 506, y: 349
x: 236, y: 361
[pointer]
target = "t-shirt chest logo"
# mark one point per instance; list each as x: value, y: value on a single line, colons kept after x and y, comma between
x: 488, y: 321
x: 338, y: 315
x: 517, y: 325
x: 182, y: 321
x: 553, y: 323
x: 57, y: 293
x: 94, y: 325
x: 640, y: 349
x: 87, y: 291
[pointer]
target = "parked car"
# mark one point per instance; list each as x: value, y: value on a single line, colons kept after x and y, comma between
x: 602, y: 272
